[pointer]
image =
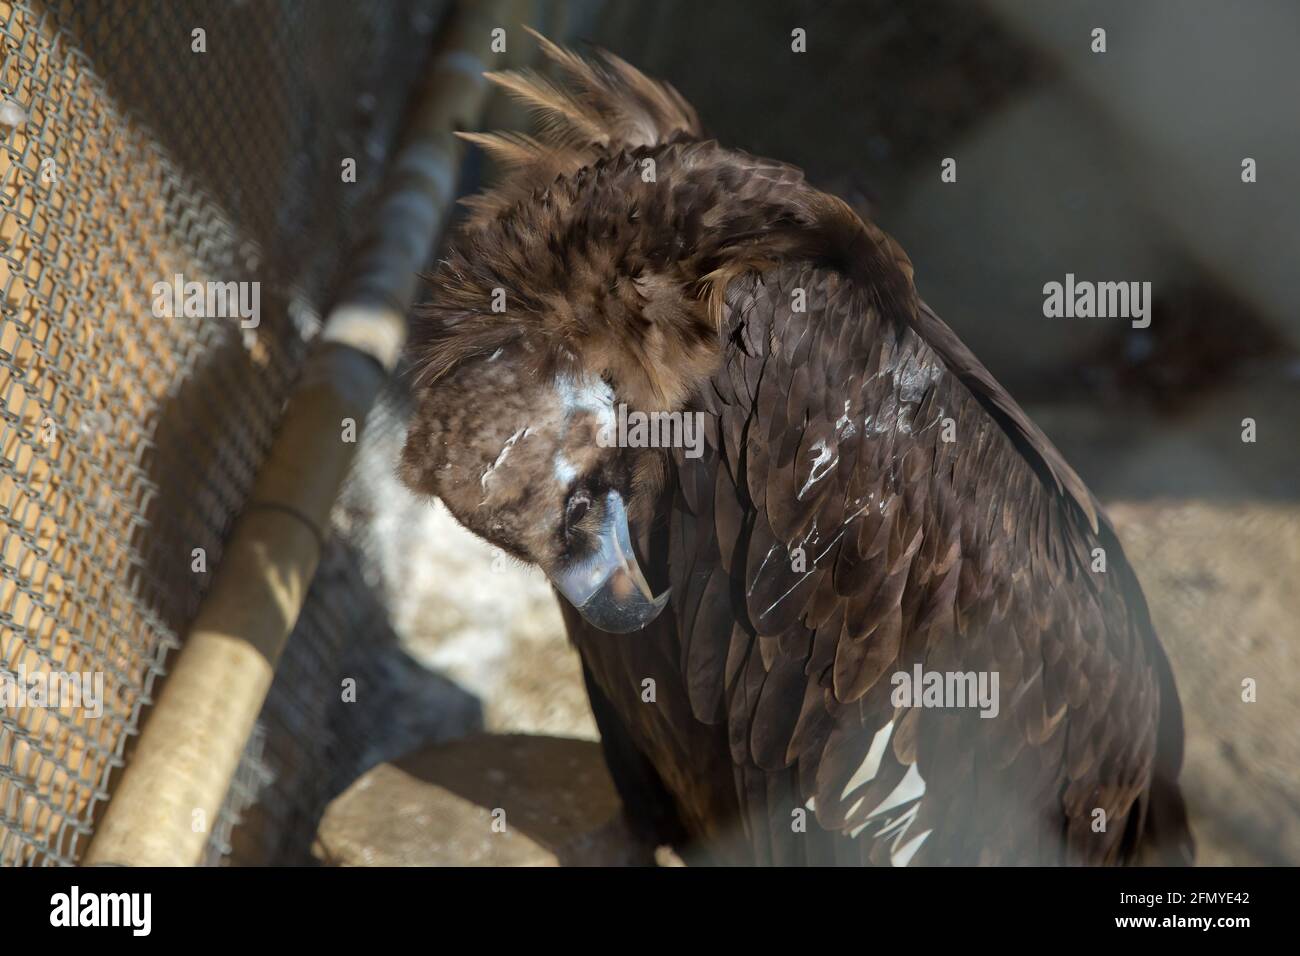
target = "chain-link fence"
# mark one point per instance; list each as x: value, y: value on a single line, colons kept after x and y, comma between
x: 139, y: 142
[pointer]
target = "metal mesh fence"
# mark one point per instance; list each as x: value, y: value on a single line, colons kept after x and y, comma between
x: 129, y: 441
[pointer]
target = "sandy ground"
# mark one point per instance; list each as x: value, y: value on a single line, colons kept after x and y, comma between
x: 1227, y: 613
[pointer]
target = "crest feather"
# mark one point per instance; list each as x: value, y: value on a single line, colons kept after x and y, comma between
x: 563, y: 116
x: 509, y: 149
x: 600, y: 107
x: 612, y: 106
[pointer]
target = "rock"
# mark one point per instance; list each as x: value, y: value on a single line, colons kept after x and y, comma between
x: 459, y: 606
x: 486, y: 800
x: 1214, y: 577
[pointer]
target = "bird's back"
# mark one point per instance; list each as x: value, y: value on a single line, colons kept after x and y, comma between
x: 862, y: 511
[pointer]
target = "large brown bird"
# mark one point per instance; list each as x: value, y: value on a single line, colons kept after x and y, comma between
x: 867, y: 508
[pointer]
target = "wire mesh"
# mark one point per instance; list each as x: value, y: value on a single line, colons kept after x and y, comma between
x: 129, y: 439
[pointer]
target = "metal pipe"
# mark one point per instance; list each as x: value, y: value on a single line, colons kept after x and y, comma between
x: 169, y: 794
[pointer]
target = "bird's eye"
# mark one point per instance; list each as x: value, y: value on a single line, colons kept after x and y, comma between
x: 576, y: 510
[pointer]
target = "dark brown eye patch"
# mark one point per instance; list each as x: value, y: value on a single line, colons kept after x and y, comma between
x: 577, y: 508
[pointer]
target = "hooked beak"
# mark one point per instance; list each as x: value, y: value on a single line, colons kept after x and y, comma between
x: 607, y: 587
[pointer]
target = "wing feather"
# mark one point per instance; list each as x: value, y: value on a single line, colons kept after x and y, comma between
x: 849, y: 541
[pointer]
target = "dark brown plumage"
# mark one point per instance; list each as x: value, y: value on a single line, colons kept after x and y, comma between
x: 937, y: 525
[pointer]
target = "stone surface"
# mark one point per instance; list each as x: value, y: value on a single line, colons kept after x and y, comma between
x: 1225, y: 610
x: 486, y: 800
x: 460, y: 607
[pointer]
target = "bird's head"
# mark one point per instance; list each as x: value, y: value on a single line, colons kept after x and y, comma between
x: 591, y: 277
x: 563, y: 295
x: 530, y: 463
